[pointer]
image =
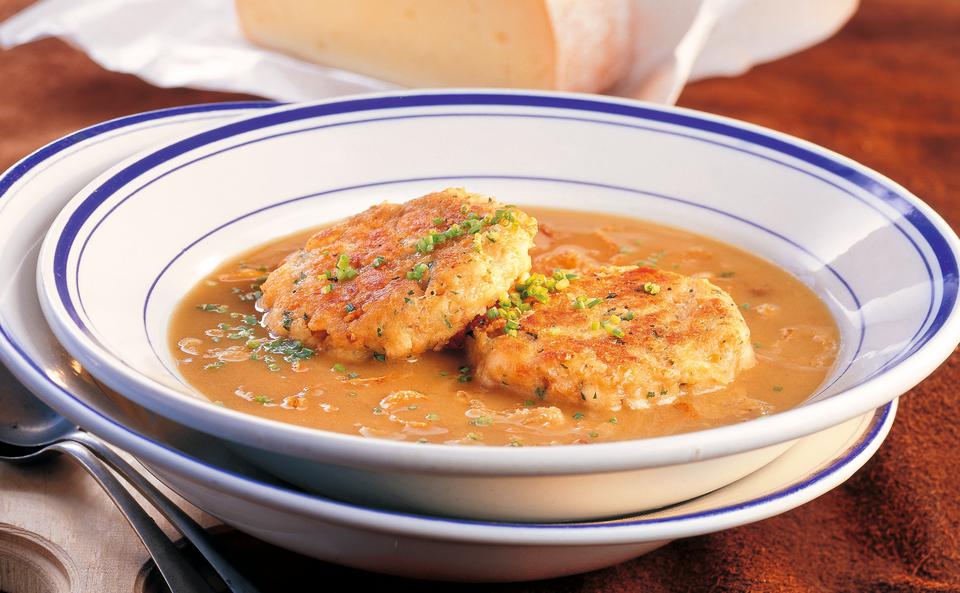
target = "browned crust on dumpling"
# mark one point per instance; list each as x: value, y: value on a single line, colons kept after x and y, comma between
x: 685, y: 335
x: 381, y: 310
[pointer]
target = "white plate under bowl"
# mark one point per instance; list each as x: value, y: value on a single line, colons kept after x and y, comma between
x: 206, y: 473
x: 117, y: 260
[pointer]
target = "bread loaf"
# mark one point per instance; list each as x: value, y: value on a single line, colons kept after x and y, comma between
x: 576, y: 45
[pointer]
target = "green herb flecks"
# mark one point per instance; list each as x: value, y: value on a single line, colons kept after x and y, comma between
x: 533, y: 289
x: 343, y: 270
x: 417, y: 272
x: 212, y: 308
x: 293, y: 352
x: 470, y: 225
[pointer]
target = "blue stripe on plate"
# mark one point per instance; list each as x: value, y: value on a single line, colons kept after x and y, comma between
x: 34, y: 160
x: 937, y: 243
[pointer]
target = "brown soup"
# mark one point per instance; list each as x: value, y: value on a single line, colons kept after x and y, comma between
x: 794, y: 336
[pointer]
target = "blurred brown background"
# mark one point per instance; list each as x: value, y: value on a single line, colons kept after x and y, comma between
x: 886, y: 92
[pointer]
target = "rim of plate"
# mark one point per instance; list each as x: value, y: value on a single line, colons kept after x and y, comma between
x: 921, y: 357
x: 32, y: 373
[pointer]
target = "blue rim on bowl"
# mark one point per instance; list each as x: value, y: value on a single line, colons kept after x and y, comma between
x: 935, y: 337
x: 35, y: 376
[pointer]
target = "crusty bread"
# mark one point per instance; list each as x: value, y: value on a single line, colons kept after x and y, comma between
x: 573, y: 45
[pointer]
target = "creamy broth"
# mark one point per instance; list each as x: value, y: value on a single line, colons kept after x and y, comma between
x: 795, y: 339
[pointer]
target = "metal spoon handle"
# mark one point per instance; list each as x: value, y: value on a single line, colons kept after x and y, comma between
x: 180, y: 576
x: 179, y: 519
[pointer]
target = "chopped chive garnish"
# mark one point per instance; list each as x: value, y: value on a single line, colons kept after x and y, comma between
x: 612, y: 329
x: 378, y: 261
x: 578, y: 416
x: 380, y: 356
x: 350, y: 308
x: 344, y: 270
x: 651, y: 288
x: 212, y: 308
x: 339, y: 368
x: 417, y: 272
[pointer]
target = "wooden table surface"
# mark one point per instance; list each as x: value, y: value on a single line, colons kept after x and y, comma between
x: 886, y: 92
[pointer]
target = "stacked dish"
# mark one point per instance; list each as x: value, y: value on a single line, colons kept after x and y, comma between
x: 133, y: 212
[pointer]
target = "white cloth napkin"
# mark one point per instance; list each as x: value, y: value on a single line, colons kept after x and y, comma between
x: 197, y: 43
